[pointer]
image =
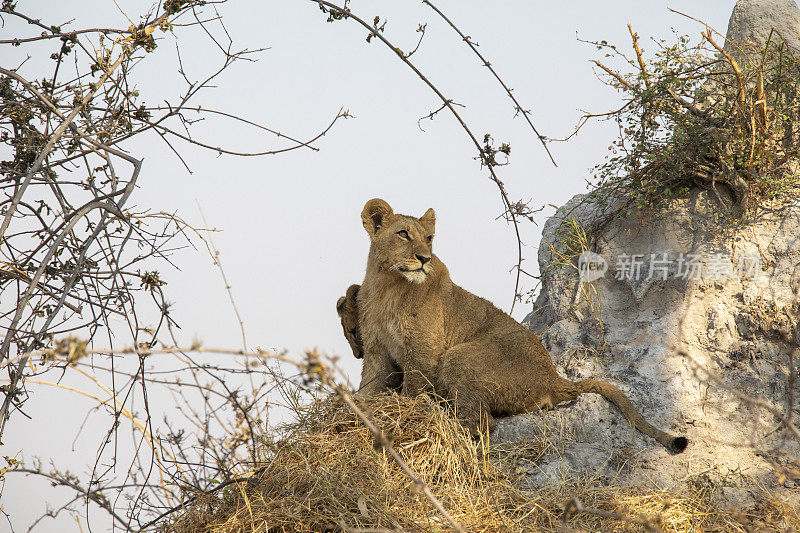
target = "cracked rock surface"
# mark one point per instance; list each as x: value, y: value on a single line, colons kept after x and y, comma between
x: 694, y: 317
x: 685, y: 345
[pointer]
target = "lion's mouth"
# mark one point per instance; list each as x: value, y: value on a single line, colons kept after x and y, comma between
x: 414, y: 275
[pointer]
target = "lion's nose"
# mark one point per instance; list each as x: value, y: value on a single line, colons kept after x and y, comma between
x: 422, y: 259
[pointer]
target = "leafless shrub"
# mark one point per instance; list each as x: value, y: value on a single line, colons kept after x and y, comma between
x: 77, y: 256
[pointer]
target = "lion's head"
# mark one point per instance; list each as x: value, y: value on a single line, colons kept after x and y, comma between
x: 400, y: 243
x: 347, y: 308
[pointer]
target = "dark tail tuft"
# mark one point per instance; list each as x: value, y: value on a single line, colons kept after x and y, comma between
x: 679, y: 444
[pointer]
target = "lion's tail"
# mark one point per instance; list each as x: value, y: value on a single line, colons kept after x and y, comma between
x: 618, y: 398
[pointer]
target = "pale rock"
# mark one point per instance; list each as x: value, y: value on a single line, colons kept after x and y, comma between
x: 752, y: 21
x: 655, y: 339
x: 657, y: 335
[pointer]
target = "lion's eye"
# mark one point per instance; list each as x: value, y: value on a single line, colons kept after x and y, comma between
x: 403, y: 234
x: 429, y: 239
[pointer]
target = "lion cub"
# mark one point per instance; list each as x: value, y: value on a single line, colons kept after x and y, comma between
x: 414, y: 322
x: 347, y: 308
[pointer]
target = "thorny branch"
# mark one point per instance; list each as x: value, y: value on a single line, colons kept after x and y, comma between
x: 336, y: 12
x: 75, y: 256
x: 312, y: 366
x: 66, y: 479
x: 103, y: 114
x: 518, y: 109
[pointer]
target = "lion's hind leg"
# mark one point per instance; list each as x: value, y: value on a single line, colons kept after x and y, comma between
x: 462, y: 380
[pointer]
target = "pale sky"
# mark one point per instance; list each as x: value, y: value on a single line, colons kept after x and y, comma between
x: 290, y: 234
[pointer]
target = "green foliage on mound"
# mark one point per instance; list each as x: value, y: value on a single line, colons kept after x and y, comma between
x: 724, y: 119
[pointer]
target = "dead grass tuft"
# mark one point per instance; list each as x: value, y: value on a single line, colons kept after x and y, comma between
x: 328, y: 474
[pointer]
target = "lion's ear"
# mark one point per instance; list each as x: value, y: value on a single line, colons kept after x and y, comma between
x: 374, y: 214
x: 428, y: 220
x: 352, y: 293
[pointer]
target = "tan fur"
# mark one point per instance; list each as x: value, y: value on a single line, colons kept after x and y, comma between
x: 347, y: 308
x: 413, y: 318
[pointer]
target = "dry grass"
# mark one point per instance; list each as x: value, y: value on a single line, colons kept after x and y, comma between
x: 329, y: 475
